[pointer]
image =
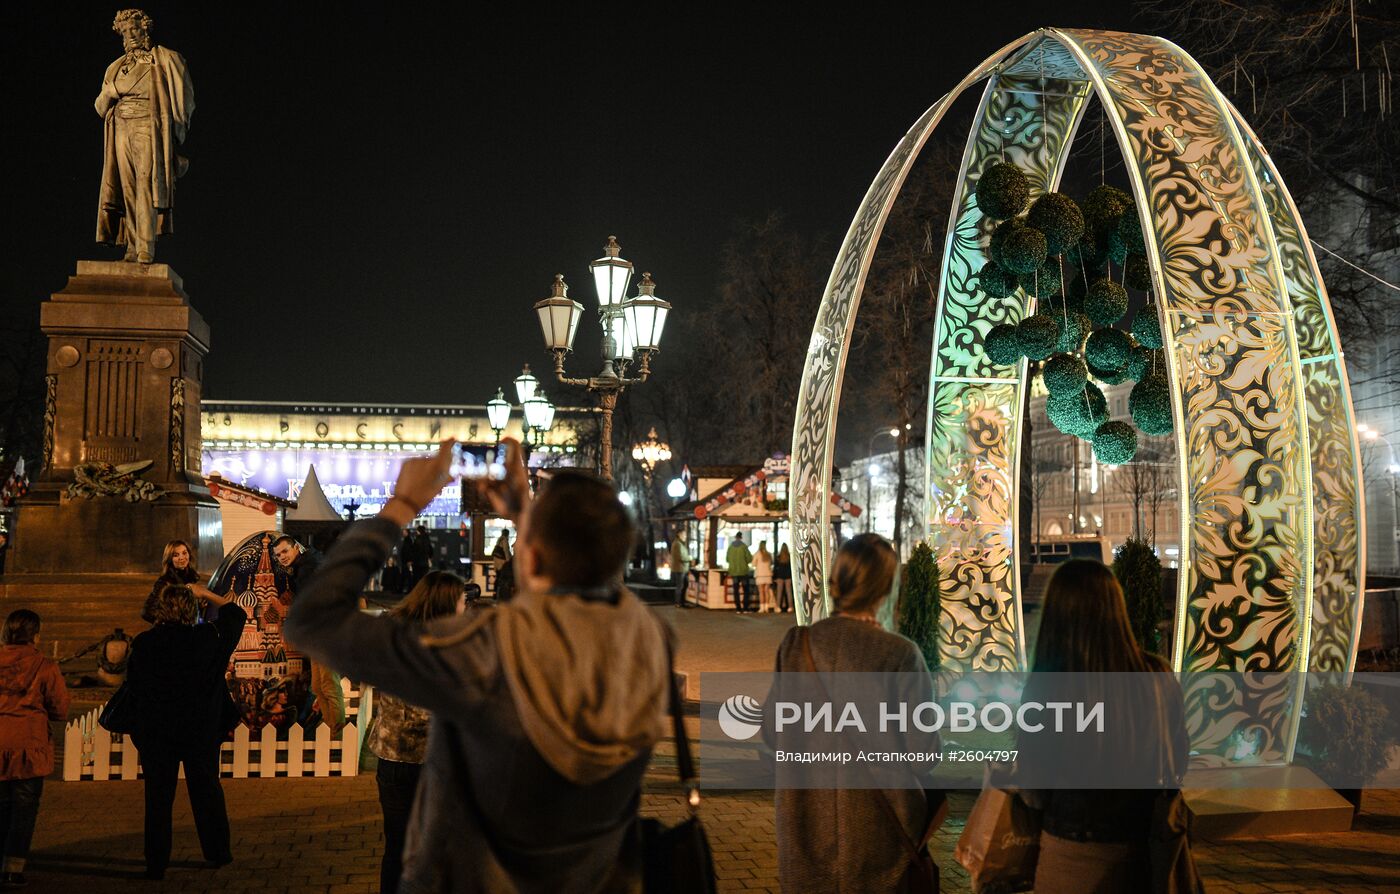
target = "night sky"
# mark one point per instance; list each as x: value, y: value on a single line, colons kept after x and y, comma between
x: 376, y: 197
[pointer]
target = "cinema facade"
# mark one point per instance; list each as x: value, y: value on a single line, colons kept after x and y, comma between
x: 357, y: 448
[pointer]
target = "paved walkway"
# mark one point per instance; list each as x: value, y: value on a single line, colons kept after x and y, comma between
x: 315, y: 835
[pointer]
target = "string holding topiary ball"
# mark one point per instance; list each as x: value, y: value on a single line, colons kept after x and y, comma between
x: 1128, y: 233
x: 1017, y: 247
x: 1150, y: 405
x: 1115, y: 443
x: 1144, y: 361
x: 1065, y: 375
x: 1002, y: 344
x: 1047, y: 280
x: 1147, y: 326
x: 1002, y: 191
x: 1086, y: 253
x: 1103, y: 209
x: 996, y: 282
x: 1108, y: 349
x: 1105, y: 302
x: 1136, y: 273
x: 1059, y: 218
x: 1038, y: 336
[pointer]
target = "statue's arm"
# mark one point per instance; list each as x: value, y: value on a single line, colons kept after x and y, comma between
x: 108, y: 97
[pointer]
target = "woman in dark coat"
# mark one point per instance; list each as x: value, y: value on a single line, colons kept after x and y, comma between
x: 183, y: 713
x: 1097, y: 821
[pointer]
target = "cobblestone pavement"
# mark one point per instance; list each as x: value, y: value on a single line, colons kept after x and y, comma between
x: 318, y: 835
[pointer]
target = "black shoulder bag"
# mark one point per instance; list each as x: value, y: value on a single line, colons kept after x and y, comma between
x: 677, y: 860
x: 119, y: 714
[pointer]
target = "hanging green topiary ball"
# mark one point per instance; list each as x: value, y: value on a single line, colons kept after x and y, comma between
x: 1103, y: 208
x: 1147, y: 327
x: 1109, y: 376
x: 1136, y: 273
x: 1115, y: 443
x: 1017, y: 247
x: 1003, y: 345
x: 1038, y: 336
x: 1079, y: 414
x: 995, y: 281
x: 1129, y: 232
x: 1150, y: 405
x: 1047, y: 280
x: 1059, y: 218
x: 1073, y: 328
x: 1065, y: 375
x: 1108, y: 349
x: 1002, y: 191
x: 1144, y: 361
x: 1105, y: 302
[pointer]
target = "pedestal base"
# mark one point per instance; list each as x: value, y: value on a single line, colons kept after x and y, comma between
x: 78, y: 609
x: 1257, y: 802
x: 55, y: 534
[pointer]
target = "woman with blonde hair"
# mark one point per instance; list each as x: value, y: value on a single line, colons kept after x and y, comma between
x: 858, y: 838
x: 763, y: 576
x: 183, y: 711
x: 399, y: 737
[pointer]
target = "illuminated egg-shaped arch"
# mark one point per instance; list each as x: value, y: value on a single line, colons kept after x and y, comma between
x: 1268, y: 484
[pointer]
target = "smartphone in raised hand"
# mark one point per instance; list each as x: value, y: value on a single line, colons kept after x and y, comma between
x: 466, y: 465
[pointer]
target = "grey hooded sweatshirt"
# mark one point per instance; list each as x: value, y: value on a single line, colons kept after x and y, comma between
x: 545, y: 711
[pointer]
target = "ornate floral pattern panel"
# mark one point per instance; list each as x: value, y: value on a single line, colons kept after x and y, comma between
x: 1027, y: 120
x: 814, y: 429
x: 1246, y: 592
x: 1338, y: 514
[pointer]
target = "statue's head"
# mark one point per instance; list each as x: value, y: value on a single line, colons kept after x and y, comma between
x: 135, y: 28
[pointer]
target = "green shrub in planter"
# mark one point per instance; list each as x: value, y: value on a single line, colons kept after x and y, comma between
x: 1139, y: 573
x: 920, y: 603
x: 1347, y: 731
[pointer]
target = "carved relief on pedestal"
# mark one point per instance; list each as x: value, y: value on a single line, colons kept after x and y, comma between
x: 50, y: 413
x: 177, y: 425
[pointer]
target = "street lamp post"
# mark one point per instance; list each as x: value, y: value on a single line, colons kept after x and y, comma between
x: 632, y: 330
x: 536, y: 411
x: 1393, y: 473
x: 649, y: 454
x: 872, y: 471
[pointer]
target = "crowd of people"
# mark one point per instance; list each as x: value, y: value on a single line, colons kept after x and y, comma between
x: 512, y: 741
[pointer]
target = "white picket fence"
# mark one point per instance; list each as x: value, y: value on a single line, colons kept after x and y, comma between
x: 92, y: 753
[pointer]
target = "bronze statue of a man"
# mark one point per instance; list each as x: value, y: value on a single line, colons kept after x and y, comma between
x: 146, y: 103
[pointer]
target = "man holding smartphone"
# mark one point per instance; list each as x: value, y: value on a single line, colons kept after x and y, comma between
x: 545, y: 710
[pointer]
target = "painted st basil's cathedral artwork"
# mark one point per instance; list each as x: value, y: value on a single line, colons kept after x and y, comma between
x: 269, y: 680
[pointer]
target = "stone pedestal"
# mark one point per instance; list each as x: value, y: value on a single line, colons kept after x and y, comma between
x: 125, y: 367
x: 1258, y: 802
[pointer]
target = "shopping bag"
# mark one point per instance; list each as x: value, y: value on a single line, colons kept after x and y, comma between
x: 1000, y: 844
